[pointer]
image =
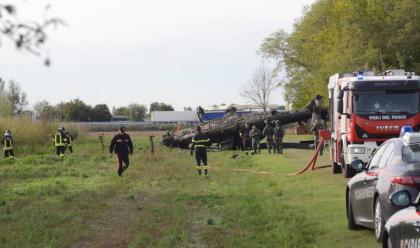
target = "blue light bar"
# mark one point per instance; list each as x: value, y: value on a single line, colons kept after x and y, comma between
x: 405, y: 129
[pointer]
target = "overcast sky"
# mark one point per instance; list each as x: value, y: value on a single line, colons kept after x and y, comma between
x: 182, y: 52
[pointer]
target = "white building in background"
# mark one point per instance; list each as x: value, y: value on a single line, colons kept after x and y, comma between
x: 175, y: 116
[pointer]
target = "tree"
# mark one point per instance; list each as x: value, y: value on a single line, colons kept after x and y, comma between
x: 17, y: 98
x: 101, y: 113
x: 27, y: 36
x: 5, y: 107
x: 137, y: 112
x: 46, y: 112
x: 75, y: 110
x: 160, y: 106
x: 39, y: 107
x: 121, y: 111
x: 344, y: 36
x: 260, y: 87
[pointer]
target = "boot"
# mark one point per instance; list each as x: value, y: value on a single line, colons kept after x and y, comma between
x: 199, y: 172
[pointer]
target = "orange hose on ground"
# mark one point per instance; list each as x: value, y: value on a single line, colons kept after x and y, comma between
x: 312, y: 162
x: 322, y: 167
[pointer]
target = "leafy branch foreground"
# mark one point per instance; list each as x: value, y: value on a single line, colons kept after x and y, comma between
x: 160, y: 202
x: 29, y: 36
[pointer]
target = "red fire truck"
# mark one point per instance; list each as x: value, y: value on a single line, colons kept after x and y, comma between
x: 366, y: 109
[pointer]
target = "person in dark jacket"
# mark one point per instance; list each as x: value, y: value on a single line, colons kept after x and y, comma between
x: 268, y: 132
x: 122, y: 145
x: 278, y: 137
x: 8, y: 145
x: 200, y: 142
x: 255, y: 135
x: 244, y: 134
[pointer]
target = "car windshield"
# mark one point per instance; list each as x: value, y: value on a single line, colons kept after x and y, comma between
x: 381, y: 102
x: 411, y: 153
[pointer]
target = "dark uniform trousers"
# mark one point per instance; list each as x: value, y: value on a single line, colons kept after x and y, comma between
x: 8, y: 148
x: 201, y: 155
x: 271, y: 145
x: 60, y: 150
x: 278, y: 142
x: 246, y: 144
x: 122, y: 159
x: 9, y: 154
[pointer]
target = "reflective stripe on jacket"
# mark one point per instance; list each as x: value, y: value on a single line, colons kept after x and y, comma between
x: 69, y: 140
x: 8, y: 144
x: 59, y: 140
x: 200, y: 140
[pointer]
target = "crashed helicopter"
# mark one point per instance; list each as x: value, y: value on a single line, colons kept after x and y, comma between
x: 225, y: 131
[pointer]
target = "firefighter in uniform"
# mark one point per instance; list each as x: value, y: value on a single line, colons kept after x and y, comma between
x: 278, y: 137
x: 255, y: 135
x: 200, y: 141
x: 8, y: 145
x: 268, y: 132
x: 69, y: 141
x: 59, y: 142
x: 122, y: 145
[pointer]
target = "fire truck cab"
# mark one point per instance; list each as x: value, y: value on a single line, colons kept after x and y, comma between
x: 366, y: 109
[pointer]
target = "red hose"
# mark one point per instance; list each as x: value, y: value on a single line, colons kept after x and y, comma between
x: 312, y: 162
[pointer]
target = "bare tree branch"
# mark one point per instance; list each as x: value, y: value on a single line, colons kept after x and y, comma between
x: 260, y: 87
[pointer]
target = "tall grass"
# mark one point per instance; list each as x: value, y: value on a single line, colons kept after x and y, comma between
x: 28, y: 134
x: 79, y: 201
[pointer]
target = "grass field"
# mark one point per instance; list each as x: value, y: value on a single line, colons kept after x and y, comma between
x: 79, y: 201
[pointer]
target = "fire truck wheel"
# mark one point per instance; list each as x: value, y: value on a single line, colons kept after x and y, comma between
x: 348, y: 171
x: 336, y: 168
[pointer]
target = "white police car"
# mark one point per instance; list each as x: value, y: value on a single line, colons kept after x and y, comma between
x: 403, y: 228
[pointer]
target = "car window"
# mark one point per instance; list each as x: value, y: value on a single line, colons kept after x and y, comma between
x: 375, y: 160
x: 387, y: 154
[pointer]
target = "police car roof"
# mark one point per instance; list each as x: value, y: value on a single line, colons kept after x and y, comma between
x: 411, y: 138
